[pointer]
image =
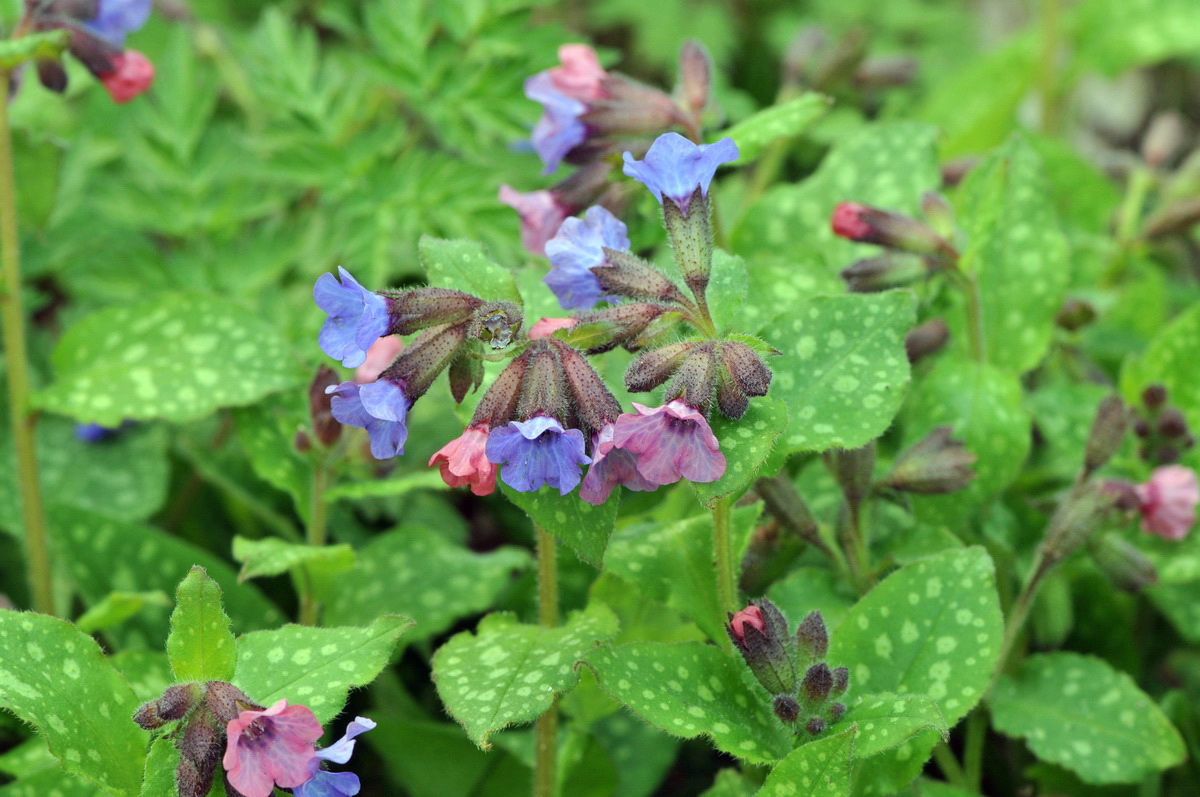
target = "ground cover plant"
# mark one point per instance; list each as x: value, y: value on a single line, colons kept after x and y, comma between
x: 496, y: 397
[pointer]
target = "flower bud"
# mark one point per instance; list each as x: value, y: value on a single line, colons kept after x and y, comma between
x: 938, y: 211
x: 466, y: 374
x: 1154, y: 396
x: 200, y: 750
x: 174, y: 704
x: 1074, y: 315
x: 650, y: 369
x: 746, y: 368
x: 817, y: 684
x: 731, y: 399
x: 866, y: 224
x: 938, y: 464
x: 690, y: 231
x: 786, y: 708
x: 695, y: 76
x: 760, y: 634
x: 812, y: 637
x: 836, y: 711
x: 1172, y: 424
x: 852, y: 468
x: 496, y: 323
x: 498, y: 405
x: 626, y: 274
x: 594, y: 403
x: 631, y: 109
x: 413, y: 310
x: 885, y: 72
x: 695, y: 379
x: 1163, y: 139
x: 622, y: 325
x: 1108, y: 432
x: 925, y: 339
x: 1074, y: 521
x: 815, y: 726
x: 324, y: 425
x: 883, y: 272
x: 841, y: 682
x: 544, y: 390
x: 1124, y: 565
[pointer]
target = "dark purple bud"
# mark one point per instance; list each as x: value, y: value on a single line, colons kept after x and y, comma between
x: 837, y: 711
x: 925, y: 339
x: 1075, y: 314
x: 226, y: 701
x: 1166, y: 455
x: 883, y: 272
x: 496, y: 323
x: 695, y: 76
x: 760, y: 634
x: 499, y: 404
x: 841, y: 682
x: 651, y: 368
x: 424, y: 358
x: 812, y: 637
x: 815, y: 726
x: 594, y: 403
x: 955, y: 171
x: 732, y: 402
x: 200, y: 749
x: 584, y: 186
x: 938, y: 464
x: 625, y: 274
x: 1154, y: 396
x: 632, y: 108
x: 52, y: 74
x: 413, y: 310
x: 1141, y: 428
x: 466, y: 374
x: 746, y: 368
x: 852, y: 468
x: 324, y: 425
x: 1125, y: 566
x: 1108, y: 432
x: 174, y: 704
x: 695, y: 379
x: 786, y: 708
x: 1172, y: 424
x: 817, y: 683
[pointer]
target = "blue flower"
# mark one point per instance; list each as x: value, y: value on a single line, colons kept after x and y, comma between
x: 380, y: 407
x: 115, y: 18
x: 357, y: 318
x: 537, y: 452
x: 575, y: 250
x: 560, y: 129
x: 93, y: 432
x: 675, y: 167
x: 335, y: 784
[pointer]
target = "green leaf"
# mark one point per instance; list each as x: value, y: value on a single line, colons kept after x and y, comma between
x: 586, y: 528
x: 886, y: 721
x: 729, y: 783
x: 933, y: 627
x: 396, y: 485
x: 1017, y: 253
x: 268, y: 437
x: 147, y: 671
x: 161, y: 764
x: 321, y: 565
x: 508, y: 673
x: 691, y: 689
x: 778, y: 284
x: 1179, y: 603
x: 417, y: 572
x: 57, y: 679
x: 818, y: 769
x: 1169, y: 360
x: 726, y: 293
x: 1115, y: 35
x: 786, y: 120
x: 673, y: 563
x: 201, y: 646
x: 844, y: 371
x: 1080, y: 713
x: 746, y: 443
x: 808, y: 589
x: 465, y: 266
x: 178, y: 356
x: 33, y: 46
x: 53, y: 781
x: 117, y: 607
x: 315, y: 666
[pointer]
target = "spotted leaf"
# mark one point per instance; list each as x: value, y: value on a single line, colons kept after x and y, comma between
x: 465, y: 266
x: 746, y: 443
x: 201, y: 646
x: 821, y: 767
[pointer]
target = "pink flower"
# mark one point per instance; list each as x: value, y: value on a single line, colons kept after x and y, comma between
x: 751, y: 615
x: 548, y: 326
x: 379, y: 356
x: 611, y: 466
x: 463, y: 461
x: 580, y: 77
x: 541, y: 216
x: 268, y: 748
x: 1168, y: 501
x: 848, y: 222
x: 132, y: 74
x: 671, y: 442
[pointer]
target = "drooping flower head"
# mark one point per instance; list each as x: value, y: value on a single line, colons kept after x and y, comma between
x: 541, y: 215
x: 116, y: 18
x: 611, y: 466
x: 576, y: 249
x: 357, y: 317
x: 671, y: 442
x: 272, y: 747
x: 132, y: 75
x: 335, y: 784
x: 463, y: 461
x: 674, y: 168
x: 380, y: 407
x: 537, y: 452
x: 1168, y: 501
x: 381, y: 354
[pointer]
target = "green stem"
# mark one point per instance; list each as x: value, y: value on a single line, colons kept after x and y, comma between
x: 727, y: 593
x: 1017, y: 616
x: 949, y: 765
x: 546, y: 728
x: 1129, y: 221
x: 970, y: 289
x: 854, y: 546
x: 22, y: 419
x: 1048, y: 70
x: 973, y: 748
x: 315, y: 535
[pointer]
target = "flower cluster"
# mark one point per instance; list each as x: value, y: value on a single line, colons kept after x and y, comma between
x: 98, y: 32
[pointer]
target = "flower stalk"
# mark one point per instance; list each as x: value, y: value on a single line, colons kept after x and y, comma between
x: 21, y: 417
x: 545, y: 762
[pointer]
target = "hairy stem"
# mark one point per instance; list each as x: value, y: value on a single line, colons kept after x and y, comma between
x: 723, y: 554
x: 546, y: 728
x: 315, y: 535
x: 21, y: 418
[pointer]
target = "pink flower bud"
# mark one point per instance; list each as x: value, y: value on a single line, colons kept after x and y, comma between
x: 548, y: 326
x: 132, y: 74
x: 751, y: 615
x: 580, y: 77
x: 848, y: 222
x: 379, y: 356
x: 1168, y: 502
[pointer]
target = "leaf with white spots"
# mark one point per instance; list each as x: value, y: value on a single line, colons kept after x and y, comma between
x: 673, y: 563
x: 508, y: 673
x: 746, y: 443
x: 466, y: 266
x: 726, y: 292
x: 201, y: 646
x: 691, y: 689
x: 844, y: 371
x: 316, y: 667
x: 886, y: 721
x: 1017, y: 253
x: 52, y: 781
x: 820, y: 768
x: 161, y: 764
x: 1080, y: 713
x: 321, y: 566
x: 267, y: 433
x: 58, y: 680
x: 586, y: 528
x: 178, y: 356
x: 753, y: 134
x: 417, y: 572
x: 889, y: 165
x: 933, y: 628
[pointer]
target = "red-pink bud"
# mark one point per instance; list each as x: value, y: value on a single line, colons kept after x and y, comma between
x: 848, y: 222
x: 751, y: 615
x: 132, y: 74
x: 548, y: 326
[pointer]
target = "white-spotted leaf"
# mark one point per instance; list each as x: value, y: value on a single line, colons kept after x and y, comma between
x: 465, y: 266
x: 886, y: 721
x: 754, y: 134
x: 820, y: 768
x: 201, y: 646
x: 746, y: 443
x: 586, y: 528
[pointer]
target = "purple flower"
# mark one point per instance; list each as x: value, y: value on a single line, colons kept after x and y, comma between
x: 271, y: 747
x: 560, y: 129
x: 115, y: 18
x: 671, y: 442
x: 611, y: 466
x: 335, y: 784
x: 537, y: 452
x: 575, y: 250
x: 675, y: 167
x: 93, y: 432
x: 357, y: 318
x: 379, y: 407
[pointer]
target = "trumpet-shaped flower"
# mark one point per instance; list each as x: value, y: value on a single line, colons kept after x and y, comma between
x: 357, y: 318
x: 463, y: 461
x: 671, y: 442
x: 335, y: 784
x: 537, y: 452
x: 611, y: 466
x: 675, y: 167
x: 272, y: 747
x: 1168, y: 501
x: 380, y: 407
x: 577, y: 248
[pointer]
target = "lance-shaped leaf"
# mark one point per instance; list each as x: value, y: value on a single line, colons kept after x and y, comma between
x: 886, y: 721
x: 821, y: 767
x: 465, y: 266
x: 746, y: 443
x: 788, y: 119
x: 201, y: 646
